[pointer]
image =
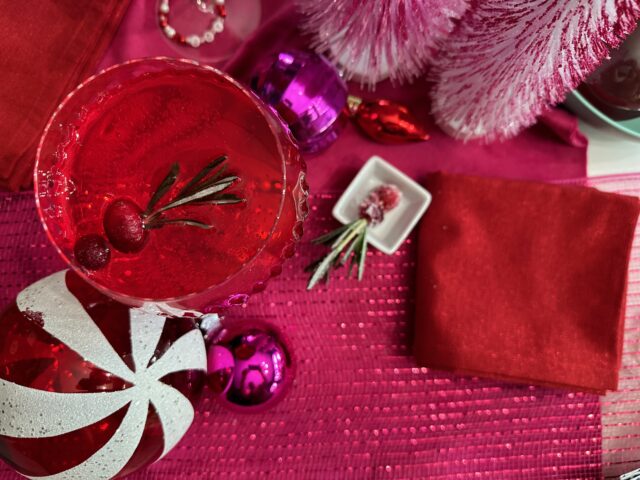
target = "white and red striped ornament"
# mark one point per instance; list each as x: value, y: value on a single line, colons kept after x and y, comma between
x: 89, y: 388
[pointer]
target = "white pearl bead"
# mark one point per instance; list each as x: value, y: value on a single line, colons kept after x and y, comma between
x: 208, y: 37
x: 194, y: 41
x: 219, y: 2
x: 218, y: 25
x: 164, y: 8
x: 170, y: 31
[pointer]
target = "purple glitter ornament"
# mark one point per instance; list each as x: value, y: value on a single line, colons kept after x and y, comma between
x: 250, y: 369
x: 308, y: 93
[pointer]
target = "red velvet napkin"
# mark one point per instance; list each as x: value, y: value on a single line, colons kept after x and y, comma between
x: 47, y: 47
x: 523, y: 281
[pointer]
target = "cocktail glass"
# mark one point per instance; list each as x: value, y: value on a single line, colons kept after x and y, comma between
x: 118, y: 134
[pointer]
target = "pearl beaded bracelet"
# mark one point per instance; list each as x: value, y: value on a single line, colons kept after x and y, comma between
x: 215, y: 8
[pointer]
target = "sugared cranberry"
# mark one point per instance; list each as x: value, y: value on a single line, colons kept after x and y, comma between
x: 124, y: 226
x: 372, y: 212
x: 92, y: 252
x: 388, y: 196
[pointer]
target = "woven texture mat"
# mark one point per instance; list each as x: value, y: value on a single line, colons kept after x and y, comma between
x: 621, y: 409
x: 359, y: 407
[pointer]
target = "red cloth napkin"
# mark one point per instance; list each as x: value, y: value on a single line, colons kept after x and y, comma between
x: 47, y: 48
x: 523, y: 281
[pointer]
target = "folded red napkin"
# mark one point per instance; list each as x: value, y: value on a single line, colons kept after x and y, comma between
x: 47, y: 48
x: 523, y: 281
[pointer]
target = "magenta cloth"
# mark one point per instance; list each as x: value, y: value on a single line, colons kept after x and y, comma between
x: 359, y: 407
x: 552, y: 149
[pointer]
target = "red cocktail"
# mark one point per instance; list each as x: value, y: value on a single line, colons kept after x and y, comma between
x: 114, y: 141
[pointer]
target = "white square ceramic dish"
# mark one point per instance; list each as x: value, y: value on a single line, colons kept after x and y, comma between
x: 398, y: 223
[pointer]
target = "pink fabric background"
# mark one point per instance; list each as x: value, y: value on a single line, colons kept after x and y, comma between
x: 359, y: 407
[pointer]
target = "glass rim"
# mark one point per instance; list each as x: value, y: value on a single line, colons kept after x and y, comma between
x: 168, y: 61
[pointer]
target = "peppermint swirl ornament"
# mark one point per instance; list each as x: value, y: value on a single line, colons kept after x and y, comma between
x: 89, y: 388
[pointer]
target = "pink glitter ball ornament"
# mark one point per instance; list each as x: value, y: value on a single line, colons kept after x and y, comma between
x: 249, y: 367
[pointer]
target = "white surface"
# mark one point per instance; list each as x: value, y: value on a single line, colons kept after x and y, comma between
x: 398, y: 223
x: 610, y: 152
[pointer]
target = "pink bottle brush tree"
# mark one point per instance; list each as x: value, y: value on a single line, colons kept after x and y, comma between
x: 373, y: 39
x: 496, y: 65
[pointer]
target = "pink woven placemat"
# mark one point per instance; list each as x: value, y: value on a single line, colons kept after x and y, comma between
x: 359, y: 407
x: 621, y: 409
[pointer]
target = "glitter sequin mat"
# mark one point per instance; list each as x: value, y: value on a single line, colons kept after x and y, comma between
x: 359, y: 407
x: 621, y: 409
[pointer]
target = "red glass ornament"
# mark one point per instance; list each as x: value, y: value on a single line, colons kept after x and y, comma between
x: 221, y: 11
x: 51, y: 341
x: 385, y: 121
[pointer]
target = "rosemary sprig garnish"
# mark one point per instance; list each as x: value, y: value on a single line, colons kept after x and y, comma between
x: 177, y: 221
x: 206, y: 187
x: 200, y: 176
x: 163, y: 188
x: 348, y: 241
